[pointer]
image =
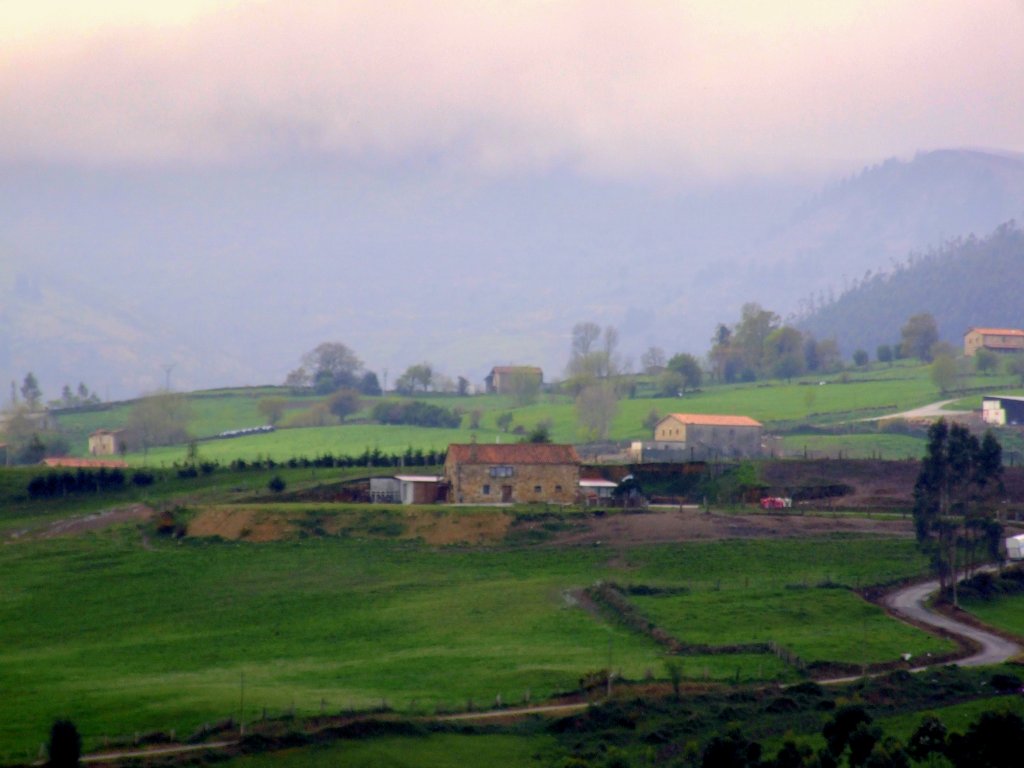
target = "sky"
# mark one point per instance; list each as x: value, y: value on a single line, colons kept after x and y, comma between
x: 527, y: 156
x: 697, y: 91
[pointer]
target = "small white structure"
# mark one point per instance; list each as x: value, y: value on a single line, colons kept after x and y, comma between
x: 1015, y: 547
x: 418, y: 489
x: 595, y: 488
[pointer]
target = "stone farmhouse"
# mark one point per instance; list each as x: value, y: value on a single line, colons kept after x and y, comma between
x: 1006, y: 340
x: 502, y: 377
x: 106, y: 442
x: 512, y: 473
x: 700, y: 437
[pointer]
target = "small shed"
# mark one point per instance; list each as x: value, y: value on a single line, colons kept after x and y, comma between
x: 419, y: 489
x: 1015, y: 547
x: 1000, y: 410
x: 106, y: 442
x: 597, y: 488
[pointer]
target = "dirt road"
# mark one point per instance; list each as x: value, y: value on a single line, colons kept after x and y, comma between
x: 909, y: 602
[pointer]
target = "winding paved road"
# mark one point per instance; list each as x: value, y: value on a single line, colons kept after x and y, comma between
x: 909, y: 602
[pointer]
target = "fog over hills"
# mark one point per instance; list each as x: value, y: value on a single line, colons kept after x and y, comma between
x: 230, y: 275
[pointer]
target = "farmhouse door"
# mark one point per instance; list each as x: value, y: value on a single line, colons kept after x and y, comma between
x: 506, y: 493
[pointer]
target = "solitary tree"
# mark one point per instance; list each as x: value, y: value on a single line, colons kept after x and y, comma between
x: 919, y: 334
x: 524, y: 386
x: 65, y: 746
x: 653, y: 360
x: 986, y: 361
x: 593, y: 355
x: 1015, y: 367
x: 596, y: 406
x: 272, y: 409
x: 160, y: 419
x: 30, y: 391
x: 417, y: 376
x: 884, y: 353
x: 688, y: 368
x: 344, y: 402
x: 944, y: 373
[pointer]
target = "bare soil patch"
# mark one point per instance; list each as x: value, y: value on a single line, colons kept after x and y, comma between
x: 441, y: 527
x: 234, y: 524
x: 437, y: 527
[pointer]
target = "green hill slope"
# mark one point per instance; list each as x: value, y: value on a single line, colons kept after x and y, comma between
x: 969, y: 282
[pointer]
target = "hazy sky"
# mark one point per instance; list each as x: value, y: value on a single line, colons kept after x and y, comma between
x: 619, y: 90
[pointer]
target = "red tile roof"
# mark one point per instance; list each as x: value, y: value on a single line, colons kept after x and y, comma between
x: 72, y: 462
x: 997, y: 331
x: 714, y: 420
x: 512, y: 453
x: 514, y: 368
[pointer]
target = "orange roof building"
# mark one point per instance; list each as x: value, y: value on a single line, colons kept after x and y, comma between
x: 1007, y: 340
x: 705, y: 435
x: 72, y: 462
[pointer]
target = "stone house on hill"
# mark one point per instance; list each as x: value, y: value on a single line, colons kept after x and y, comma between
x: 106, y: 442
x: 517, y: 472
x: 503, y: 378
x: 1007, y: 340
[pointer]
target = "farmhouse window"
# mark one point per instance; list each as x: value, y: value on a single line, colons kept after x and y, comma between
x: 487, y: 490
x: 536, y: 489
x: 502, y: 471
x: 558, y: 489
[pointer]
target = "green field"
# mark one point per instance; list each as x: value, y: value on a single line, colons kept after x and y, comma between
x: 874, y: 445
x: 831, y: 400
x: 124, y: 636
x: 1004, y: 611
x: 441, y: 750
x: 799, y: 619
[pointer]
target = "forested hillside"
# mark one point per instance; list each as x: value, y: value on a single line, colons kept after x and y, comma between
x: 968, y: 282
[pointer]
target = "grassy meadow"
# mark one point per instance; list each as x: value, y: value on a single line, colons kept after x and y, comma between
x: 123, y: 634
x: 438, y: 750
x: 831, y: 401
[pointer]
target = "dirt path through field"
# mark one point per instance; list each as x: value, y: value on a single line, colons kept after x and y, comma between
x: 75, y: 526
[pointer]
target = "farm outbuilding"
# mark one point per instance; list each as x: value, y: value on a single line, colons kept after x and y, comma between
x: 106, y: 442
x: 419, y: 489
x: 407, y: 489
x: 1015, y: 547
x: 512, y: 473
x: 702, y: 436
x: 594, y: 489
x: 503, y: 379
x: 1000, y: 410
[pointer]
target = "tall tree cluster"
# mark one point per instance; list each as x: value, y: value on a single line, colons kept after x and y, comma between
x: 330, y: 367
x: 959, y: 479
x: 760, y: 346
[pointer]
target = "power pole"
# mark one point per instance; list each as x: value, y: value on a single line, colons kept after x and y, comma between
x: 168, y: 367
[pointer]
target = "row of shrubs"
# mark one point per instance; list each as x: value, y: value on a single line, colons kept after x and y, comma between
x: 368, y: 458
x: 57, y: 483
x: 66, y: 483
x: 416, y: 413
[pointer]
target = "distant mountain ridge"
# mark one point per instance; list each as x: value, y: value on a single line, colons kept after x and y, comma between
x: 969, y: 282
x: 230, y: 275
